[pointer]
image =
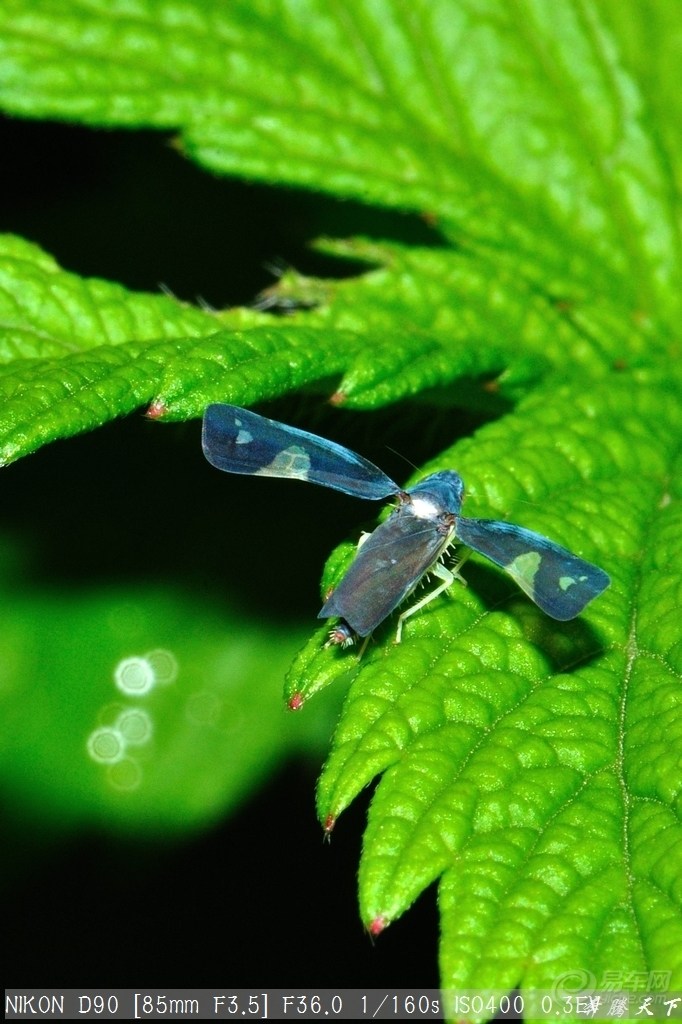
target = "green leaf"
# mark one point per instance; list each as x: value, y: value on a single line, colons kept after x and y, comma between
x: 520, y: 761
x: 80, y: 352
x: 140, y: 704
x: 532, y: 768
x: 318, y: 98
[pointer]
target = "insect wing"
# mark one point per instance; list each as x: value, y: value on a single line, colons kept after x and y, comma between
x: 238, y: 441
x: 386, y: 568
x: 559, y: 582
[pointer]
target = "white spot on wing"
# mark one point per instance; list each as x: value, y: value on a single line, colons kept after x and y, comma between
x: 243, y: 437
x: 292, y: 462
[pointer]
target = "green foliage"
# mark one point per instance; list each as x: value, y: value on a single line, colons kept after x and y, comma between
x: 533, y: 768
x: 185, y: 740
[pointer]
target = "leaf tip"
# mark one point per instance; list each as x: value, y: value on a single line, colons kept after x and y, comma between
x: 376, y: 926
x: 329, y: 823
x: 157, y: 409
x: 338, y: 398
x: 295, y: 702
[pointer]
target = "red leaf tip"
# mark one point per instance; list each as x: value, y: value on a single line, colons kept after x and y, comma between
x: 377, y: 926
x: 157, y: 409
x: 295, y: 702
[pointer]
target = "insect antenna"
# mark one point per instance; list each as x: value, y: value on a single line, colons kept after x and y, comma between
x: 404, y: 458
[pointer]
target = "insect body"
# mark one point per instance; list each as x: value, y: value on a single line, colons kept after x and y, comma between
x: 411, y: 542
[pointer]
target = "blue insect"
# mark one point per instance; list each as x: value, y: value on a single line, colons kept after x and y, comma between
x: 412, y: 542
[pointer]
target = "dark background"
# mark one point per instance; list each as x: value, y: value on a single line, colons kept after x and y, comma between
x: 258, y: 900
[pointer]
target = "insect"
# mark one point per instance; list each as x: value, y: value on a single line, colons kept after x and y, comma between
x: 411, y: 543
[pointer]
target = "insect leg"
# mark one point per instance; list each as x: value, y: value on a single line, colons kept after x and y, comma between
x: 462, y: 556
x: 364, y: 645
x: 447, y: 576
